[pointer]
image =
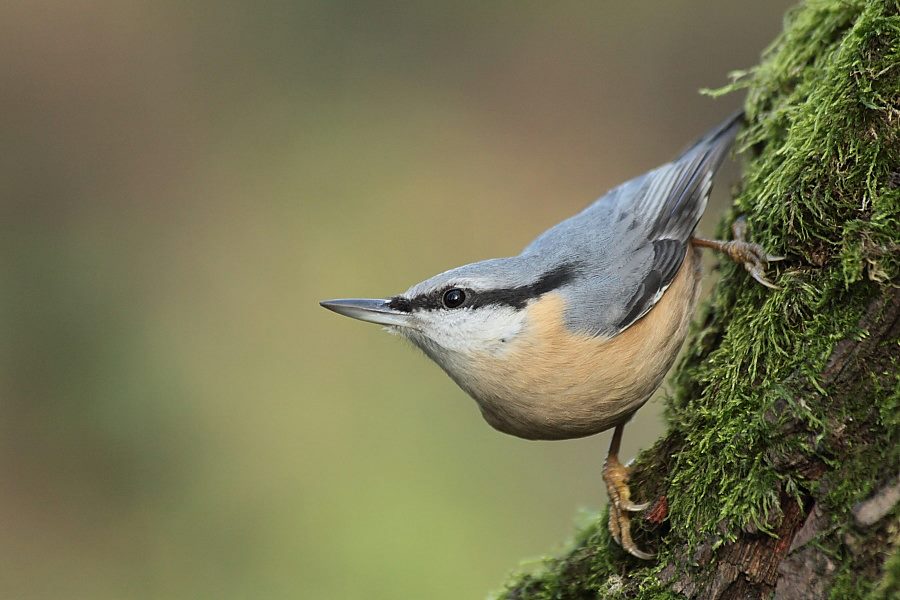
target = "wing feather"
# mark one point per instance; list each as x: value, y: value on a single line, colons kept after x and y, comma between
x: 669, y: 206
x: 630, y: 243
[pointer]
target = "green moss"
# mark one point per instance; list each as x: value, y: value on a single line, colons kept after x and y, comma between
x: 822, y: 187
x: 846, y: 586
x: 587, y: 569
x: 889, y: 587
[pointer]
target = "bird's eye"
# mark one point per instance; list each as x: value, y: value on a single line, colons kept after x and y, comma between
x: 453, y: 298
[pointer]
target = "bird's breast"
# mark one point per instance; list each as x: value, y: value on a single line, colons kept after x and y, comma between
x: 553, y: 383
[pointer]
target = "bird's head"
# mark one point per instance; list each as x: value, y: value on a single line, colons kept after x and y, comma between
x: 474, y: 310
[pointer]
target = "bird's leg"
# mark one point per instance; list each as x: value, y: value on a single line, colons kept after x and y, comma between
x: 615, y: 475
x: 752, y: 256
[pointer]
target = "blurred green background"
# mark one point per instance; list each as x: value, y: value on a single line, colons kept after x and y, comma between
x: 183, y: 181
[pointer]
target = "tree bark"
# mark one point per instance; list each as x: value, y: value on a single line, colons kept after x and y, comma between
x: 779, y: 475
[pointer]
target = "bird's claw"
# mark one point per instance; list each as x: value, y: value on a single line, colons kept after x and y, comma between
x: 632, y: 507
x: 752, y: 256
x: 758, y: 276
x: 615, y: 475
x: 754, y: 259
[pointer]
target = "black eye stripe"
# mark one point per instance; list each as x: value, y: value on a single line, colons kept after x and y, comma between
x: 516, y: 297
x: 400, y: 304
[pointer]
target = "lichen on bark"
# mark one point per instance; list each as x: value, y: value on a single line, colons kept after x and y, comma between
x: 785, y: 410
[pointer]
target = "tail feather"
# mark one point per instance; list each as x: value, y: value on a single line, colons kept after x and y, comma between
x: 694, y: 169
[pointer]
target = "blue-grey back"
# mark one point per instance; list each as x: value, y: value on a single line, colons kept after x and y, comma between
x: 628, y: 245
x: 617, y: 257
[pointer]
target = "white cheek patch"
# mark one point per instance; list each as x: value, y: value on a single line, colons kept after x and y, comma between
x: 483, y: 329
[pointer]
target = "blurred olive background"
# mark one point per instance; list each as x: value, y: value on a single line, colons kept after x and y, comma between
x: 181, y: 182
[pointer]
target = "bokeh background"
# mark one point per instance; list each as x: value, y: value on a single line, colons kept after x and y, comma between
x: 181, y: 182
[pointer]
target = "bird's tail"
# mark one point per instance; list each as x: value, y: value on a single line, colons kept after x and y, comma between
x: 692, y: 172
x: 717, y: 140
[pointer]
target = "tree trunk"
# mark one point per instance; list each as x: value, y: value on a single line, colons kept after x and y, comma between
x: 780, y: 472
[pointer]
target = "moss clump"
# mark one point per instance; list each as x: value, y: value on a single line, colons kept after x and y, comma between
x: 753, y: 421
x: 889, y: 587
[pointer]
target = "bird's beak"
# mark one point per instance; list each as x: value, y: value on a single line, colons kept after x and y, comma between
x: 373, y: 311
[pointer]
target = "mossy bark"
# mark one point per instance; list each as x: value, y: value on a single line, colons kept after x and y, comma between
x: 780, y: 472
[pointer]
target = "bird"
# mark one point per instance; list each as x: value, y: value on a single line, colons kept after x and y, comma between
x: 573, y: 335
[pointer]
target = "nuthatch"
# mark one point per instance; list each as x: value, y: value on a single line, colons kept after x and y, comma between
x: 573, y: 335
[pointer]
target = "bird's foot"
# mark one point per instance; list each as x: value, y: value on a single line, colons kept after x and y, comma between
x: 752, y: 256
x: 615, y: 475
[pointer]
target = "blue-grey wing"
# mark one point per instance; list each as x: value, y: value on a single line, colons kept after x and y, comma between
x: 630, y: 243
